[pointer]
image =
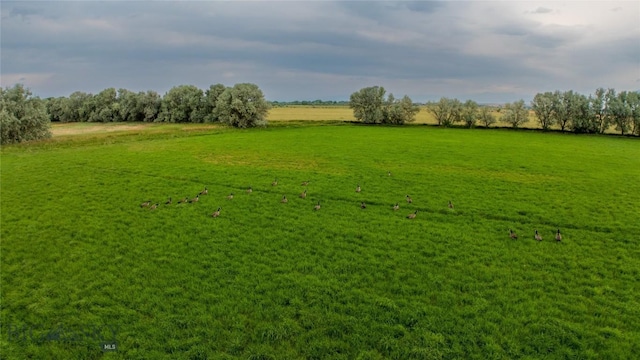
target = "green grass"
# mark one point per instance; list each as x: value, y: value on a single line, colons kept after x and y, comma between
x: 271, y: 280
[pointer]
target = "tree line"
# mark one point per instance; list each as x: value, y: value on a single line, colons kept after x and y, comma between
x: 25, y: 117
x: 569, y: 110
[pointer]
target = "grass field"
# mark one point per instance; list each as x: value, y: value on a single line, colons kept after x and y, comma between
x: 82, y: 260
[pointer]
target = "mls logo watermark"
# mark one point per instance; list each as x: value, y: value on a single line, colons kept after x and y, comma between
x: 109, y: 346
x: 105, y: 335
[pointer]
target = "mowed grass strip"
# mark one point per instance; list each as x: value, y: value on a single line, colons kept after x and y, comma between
x: 274, y: 280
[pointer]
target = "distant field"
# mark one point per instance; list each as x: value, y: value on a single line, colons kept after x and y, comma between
x: 344, y: 113
x: 272, y: 280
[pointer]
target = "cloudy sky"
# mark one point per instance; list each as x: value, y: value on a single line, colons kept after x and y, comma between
x: 489, y: 51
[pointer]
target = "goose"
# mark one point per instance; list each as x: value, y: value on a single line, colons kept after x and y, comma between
x: 275, y: 182
x: 154, y: 206
x: 412, y: 216
x: 558, y: 236
x: 216, y: 213
x: 184, y: 201
x: 145, y: 204
x: 358, y: 188
x: 195, y: 199
x: 389, y: 173
x: 396, y: 207
x: 512, y: 234
x: 304, y: 194
x: 537, y: 236
x: 204, y: 192
x: 249, y: 190
x: 305, y: 183
x: 317, y: 207
x: 230, y: 196
x: 363, y: 205
x: 450, y: 205
x: 409, y: 200
x: 284, y: 199
x: 168, y: 202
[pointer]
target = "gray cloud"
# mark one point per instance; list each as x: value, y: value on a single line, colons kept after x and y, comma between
x: 308, y: 50
x: 542, y: 10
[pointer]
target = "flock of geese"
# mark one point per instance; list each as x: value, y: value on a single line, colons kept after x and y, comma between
x: 303, y: 195
x: 536, y: 236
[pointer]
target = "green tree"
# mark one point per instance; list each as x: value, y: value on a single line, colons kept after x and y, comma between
x: 600, y: 105
x: 399, y: 112
x: 55, y: 108
x: 515, y: 114
x: 621, y: 113
x: 129, y: 105
x: 634, y: 103
x: 211, y: 98
x: 150, y: 103
x: 469, y: 113
x: 446, y: 111
x: 242, y: 106
x: 487, y: 118
x: 368, y: 104
x: 542, y: 105
x: 182, y: 103
x: 74, y: 107
x: 560, y: 113
x: 104, y: 107
x: 579, y: 113
x: 23, y: 117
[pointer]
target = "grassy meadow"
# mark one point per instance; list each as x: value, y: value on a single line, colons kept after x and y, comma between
x: 272, y: 280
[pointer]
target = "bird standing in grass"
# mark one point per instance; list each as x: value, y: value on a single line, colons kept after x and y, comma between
x: 145, y: 204
x: 412, y: 216
x: 216, y: 213
x: 184, y: 201
x: 204, y: 192
x: 284, y: 199
x: 317, y: 207
x: 168, y: 202
x: 275, y: 182
x: 389, y: 173
x: 537, y: 236
x: 450, y: 205
x: 154, y: 206
x: 305, y: 183
x: 195, y: 199
x: 249, y: 190
x: 304, y: 194
x: 409, y: 200
x: 363, y: 205
x: 396, y: 207
x: 558, y: 236
x: 230, y: 196
x: 512, y: 234
x: 358, y: 189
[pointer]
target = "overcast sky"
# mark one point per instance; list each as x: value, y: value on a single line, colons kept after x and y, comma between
x: 305, y: 50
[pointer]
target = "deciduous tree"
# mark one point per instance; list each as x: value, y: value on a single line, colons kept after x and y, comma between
x: 211, y: 97
x: 446, y: 111
x: 543, y: 106
x: 182, y: 103
x: 399, y: 112
x: 242, y: 106
x: 368, y: 104
x: 515, y: 114
x: 23, y: 117
x: 470, y: 113
x: 486, y: 116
